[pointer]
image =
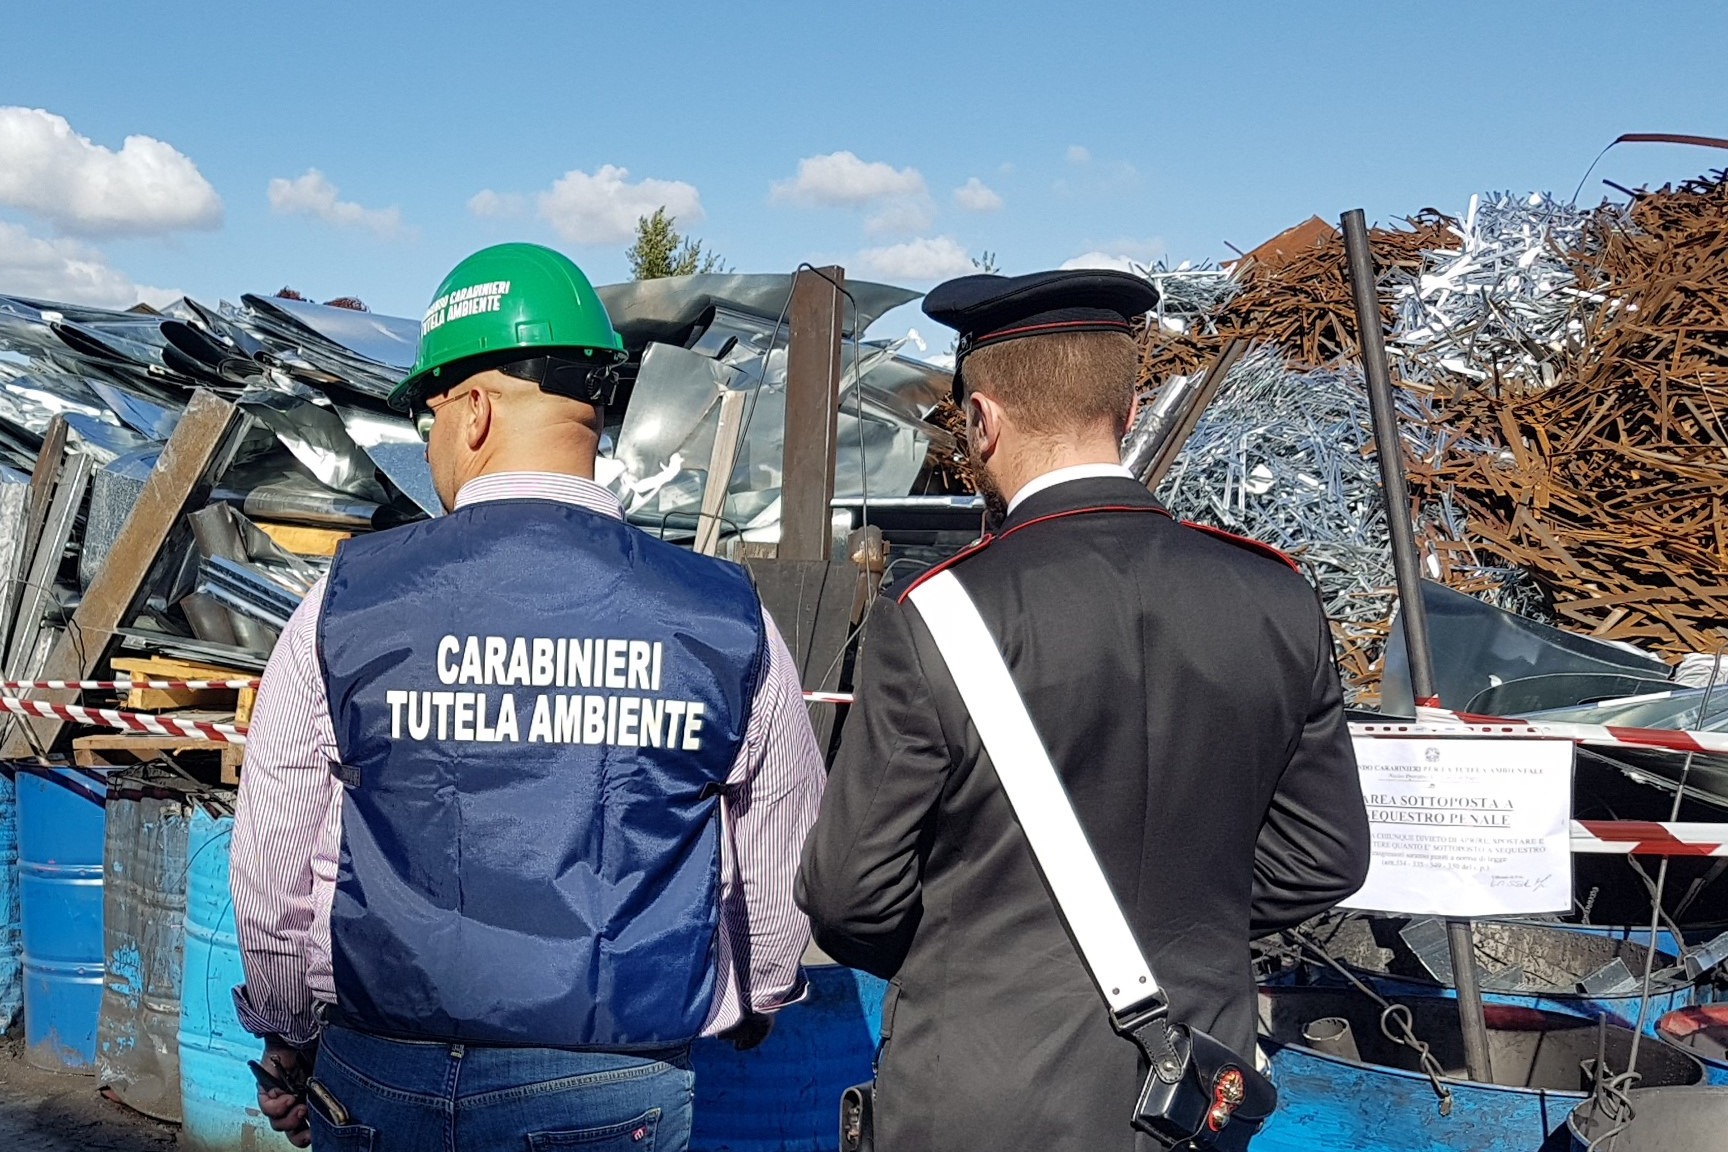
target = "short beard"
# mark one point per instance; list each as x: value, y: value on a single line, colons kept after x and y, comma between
x: 995, y: 507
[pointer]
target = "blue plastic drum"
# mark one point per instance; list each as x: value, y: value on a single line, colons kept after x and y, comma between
x: 785, y: 1095
x: 11, y: 958
x: 218, y: 1097
x: 60, y: 840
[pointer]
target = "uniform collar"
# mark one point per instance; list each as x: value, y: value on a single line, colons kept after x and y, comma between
x: 559, y: 486
x: 1080, y: 494
x: 1062, y: 476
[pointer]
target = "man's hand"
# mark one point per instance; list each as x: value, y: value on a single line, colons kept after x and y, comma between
x: 287, y: 1111
x: 749, y: 1032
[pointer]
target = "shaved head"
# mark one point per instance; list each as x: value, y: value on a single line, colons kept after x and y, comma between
x: 492, y: 422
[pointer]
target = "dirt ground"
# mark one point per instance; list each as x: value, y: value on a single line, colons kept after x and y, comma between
x: 54, y: 1112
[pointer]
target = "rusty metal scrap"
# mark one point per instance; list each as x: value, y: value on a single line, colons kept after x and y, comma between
x: 1286, y: 457
x: 1609, y: 485
x: 1564, y: 377
x: 1565, y: 374
x: 1300, y: 304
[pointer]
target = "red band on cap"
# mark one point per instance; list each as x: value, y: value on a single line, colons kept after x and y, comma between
x: 1056, y: 326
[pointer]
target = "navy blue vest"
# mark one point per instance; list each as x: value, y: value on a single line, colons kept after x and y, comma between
x: 536, y: 706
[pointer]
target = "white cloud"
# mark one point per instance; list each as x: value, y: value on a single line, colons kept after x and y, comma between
x: 1126, y: 253
x: 925, y: 259
x: 1096, y: 259
x: 68, y: 271
x: 81, y: 187
x: 973, y: 196
x: 488, y: 203
x: 1078, y: 155
x: 903, y: 216
x: 840, y: 178
x: 603, y: 208
x: 313, y: 196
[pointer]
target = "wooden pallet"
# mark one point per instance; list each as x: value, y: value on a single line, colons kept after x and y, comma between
x: 117, y: 749
x: 162, y: 668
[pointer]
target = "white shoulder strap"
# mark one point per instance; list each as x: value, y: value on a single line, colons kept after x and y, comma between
x: 1059, y: 844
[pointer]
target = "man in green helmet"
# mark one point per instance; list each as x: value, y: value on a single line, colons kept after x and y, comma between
x: 525, y: 786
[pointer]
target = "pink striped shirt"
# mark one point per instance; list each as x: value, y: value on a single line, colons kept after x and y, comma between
x: 288, y: 823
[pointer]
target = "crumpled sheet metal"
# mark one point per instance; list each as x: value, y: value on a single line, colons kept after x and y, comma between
x: 670, y: 424
x: 252, y: 600
x: 14, y: 495
x: 1503, y: 306
x: 101, y: 439
x: 1476, y: 646
x: 111, y: 372
x: 1188, y: 293
x: 271, y: 490
x: 309, y: 426
x: 1286, y: 458
x: 387, y: 341
x: 308, y: 356
x: 152, y: 418
x: 30, y: 400
x: 247, y: 585
x: 114, y: 491
x: 396, y: 448
x: 905, y: 388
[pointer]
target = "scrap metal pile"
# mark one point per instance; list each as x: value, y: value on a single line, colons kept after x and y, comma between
x: 1614, y: 492
x: 299, y: 450
x: 89, y: 400
x: 1562, y: 378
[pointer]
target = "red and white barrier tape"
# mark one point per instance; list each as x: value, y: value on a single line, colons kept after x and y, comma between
x: 1648, y: 838
x: 1618, y: 837
x: 1441, y: 722
x: 125, y: 685
x: 126, y: 721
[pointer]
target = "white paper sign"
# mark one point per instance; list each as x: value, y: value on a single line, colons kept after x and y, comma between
x: 1467, y: 827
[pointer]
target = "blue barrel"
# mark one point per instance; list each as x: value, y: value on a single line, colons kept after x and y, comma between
x: 785, y: 1095
x: 1382, y: 1101
x: 218, y: 1097
x: 60, y: 841
x: 1549, y: 962
x: 11, y: 960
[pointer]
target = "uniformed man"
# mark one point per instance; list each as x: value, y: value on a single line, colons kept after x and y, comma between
x: 525, y: 785
x: 1183, y: 683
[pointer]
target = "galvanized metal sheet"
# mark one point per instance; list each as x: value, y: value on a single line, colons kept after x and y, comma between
x: 144, y: 909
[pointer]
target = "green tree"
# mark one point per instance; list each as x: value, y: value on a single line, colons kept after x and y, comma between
x: 661, y: 250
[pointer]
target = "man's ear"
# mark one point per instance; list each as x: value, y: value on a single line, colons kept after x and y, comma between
x: 984, y: 420
x: 1133, y: 414
x: 477, y: 407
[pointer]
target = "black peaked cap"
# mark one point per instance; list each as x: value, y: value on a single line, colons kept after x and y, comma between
x: 988, y: 309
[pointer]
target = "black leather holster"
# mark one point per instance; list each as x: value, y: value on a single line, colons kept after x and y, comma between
x: 1198, y: 1093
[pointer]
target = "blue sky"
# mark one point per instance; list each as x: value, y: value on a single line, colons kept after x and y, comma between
x: 895, y: 139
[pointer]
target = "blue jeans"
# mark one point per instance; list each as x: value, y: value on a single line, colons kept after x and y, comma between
x: 430, y: 1097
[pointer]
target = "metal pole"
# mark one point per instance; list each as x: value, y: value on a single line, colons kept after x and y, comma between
x: 1459, y: 936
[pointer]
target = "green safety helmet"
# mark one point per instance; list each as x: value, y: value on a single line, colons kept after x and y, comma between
x: 507, y: 303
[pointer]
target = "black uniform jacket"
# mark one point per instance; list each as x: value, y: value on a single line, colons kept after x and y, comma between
x: 1186, y: 690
